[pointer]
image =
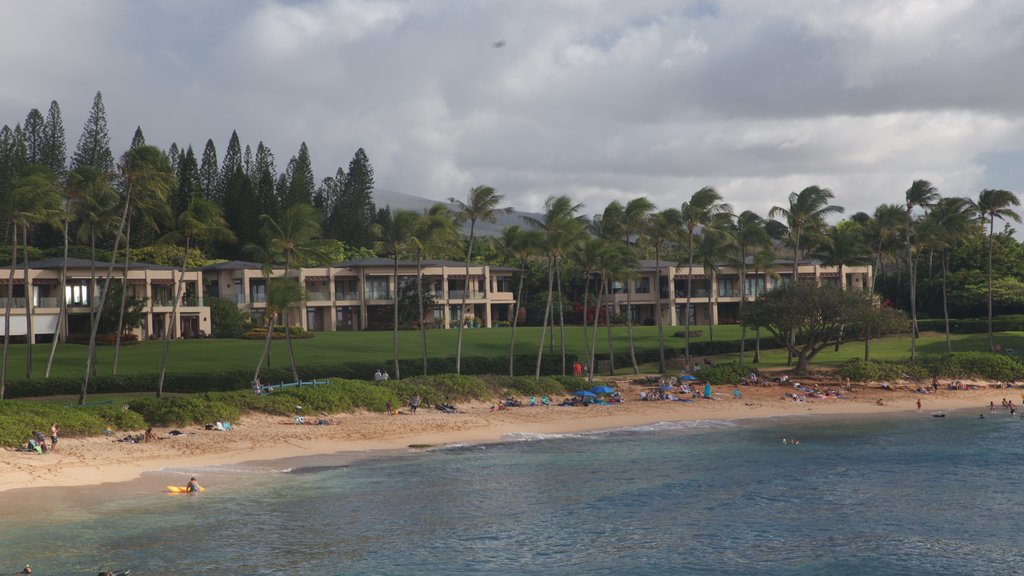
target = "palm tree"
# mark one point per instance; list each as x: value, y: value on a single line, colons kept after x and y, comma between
x: 62, y: 315
x: 520, y: 245
x: 804, y: 216
x: 614, y: 261
x: 148, y: 179
x: 716, y: 243
x: 763, y: 259
x: 294, y: 239
x: 994, y: 204
x: 202, y: 221
x: 882, y: 230
x: 701, y: 210
x: 39, y: 203
x: 560, y: 228
x: 395, y: 236
x: 662, y: 228
x: 634, y: 221
x: 945, y: 226
x: 433, y: 233
x: 840, y: 246
x: 751, y: 236
x: 481, y: 205
x: 588, y: 260
x: 921, y: 193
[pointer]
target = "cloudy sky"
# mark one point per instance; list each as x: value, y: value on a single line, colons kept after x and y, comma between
x: 597, y: 99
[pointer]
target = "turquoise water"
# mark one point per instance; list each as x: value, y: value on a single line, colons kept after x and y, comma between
x: 907, y: 495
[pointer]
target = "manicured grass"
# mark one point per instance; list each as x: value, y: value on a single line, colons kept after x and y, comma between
x: 196, y: 356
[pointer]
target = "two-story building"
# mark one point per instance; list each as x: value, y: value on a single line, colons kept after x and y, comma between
x: 715, y: 296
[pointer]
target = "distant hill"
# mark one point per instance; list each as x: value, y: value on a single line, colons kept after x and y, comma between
x: 403, y: 201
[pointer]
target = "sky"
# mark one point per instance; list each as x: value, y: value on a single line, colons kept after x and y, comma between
x: 597, y: 99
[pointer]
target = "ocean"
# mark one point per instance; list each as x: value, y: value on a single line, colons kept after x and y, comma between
x: 910, y: 494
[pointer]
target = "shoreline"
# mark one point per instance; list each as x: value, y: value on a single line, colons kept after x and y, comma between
x: 95, y: 461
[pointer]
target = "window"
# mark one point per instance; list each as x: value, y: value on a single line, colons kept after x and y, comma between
x: 643, y: 285
x: 377, y: 288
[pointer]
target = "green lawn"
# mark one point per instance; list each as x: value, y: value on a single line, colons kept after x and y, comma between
x: 192, y: 356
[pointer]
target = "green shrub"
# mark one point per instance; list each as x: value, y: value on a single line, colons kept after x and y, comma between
x: 1003, y: 323
x: 527, y: 386
x: 975, y: 365
x: 182, y: 411
x: 18, y: 419
x: 728, y: 373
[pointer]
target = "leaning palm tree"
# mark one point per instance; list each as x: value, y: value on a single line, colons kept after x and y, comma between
x: 520, y: 245
x: 63, y: 314
x: 40, y: 193
x: 882, y: 230
x: 994, y: 204
x: 751, y: 236
x: 481, y: 205
x: 202, y: 221
x: 633, y: 223
x: 614, y: 261
x: 395, y: 237
x: 945, y: 227
x: 662, y: 229
x: 716, y: 243
x: 701, y: 210
x: 588, y: 259
x: 921, y: 193
x: 433, y: 234
x: 560, y: 229
x: 147, y: 181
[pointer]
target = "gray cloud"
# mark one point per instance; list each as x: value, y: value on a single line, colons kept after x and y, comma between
x: 597, y: 99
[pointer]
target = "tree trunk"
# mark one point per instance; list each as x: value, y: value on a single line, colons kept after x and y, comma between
x: 586, y: 296
x: 90, y: 360
x: 712, y: 305
x: 269, y: 320
x: 611, y: 348
x: 945, y: 307
x: 867, y: 347
x: 515, y: 322
x: 419, y: 298
x: 629, y: 324
x: 991, y: 335
x: 465, y: 296
x: 912, y: 272
x: 657, y: 308
x: 743, y: 298
x: 124, y: 292
x: 561, y: 314
x: 547, y: 313
x: 174, y: 314
x: 394, y: 306
x: 29, y: 331
x: 62, y: 317
x: 288, y: 328
x: 689, y: 295
x: 7, y: 309
x: 592, y: 349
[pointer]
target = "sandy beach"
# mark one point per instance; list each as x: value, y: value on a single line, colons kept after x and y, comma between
x: 98, y: 460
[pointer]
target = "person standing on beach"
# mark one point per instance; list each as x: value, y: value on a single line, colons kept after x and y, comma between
x: 54, y: 431
x: 414, y: 403
x: 918, y: 404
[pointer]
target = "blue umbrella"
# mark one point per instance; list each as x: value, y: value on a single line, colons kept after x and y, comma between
x: 584, y: 393
x: 666, y: 387
x: 687, y: 377
x: 602, y: 390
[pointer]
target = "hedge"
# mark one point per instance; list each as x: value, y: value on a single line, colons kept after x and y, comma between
x: 1004, y: 323
x: 982, y: 365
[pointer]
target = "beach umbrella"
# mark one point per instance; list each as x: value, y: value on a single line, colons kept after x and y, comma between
x: 602, y: 390
x: 584, y: 393
x: 687, y: 377
x: 666, y: 387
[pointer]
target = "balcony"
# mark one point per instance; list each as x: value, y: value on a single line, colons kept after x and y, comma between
x: 47, y: 302
x: 15, y: 302
x: 459, y: 294
x: 258, y: 298
x: 166, y: 302
x: 346, y: 295
x: 378, y: 295
x: 318, y: 296
x: 191, y: 301
x: 728, y: 293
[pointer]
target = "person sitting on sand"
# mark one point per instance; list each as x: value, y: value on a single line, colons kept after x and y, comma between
x: 879, y: 402
x: 150, y: 436
x: 193, y: 485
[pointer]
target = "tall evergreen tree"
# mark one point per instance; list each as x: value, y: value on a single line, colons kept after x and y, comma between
x: 188, y: 183
x: 208, y: 171
x: 247, y: 162
x: 34, y: 136
x: 94, y: 144
x: 54, y: 153
x: 138, y: 139
x: 241, y: 213
x: 174, y: 156
x: 353, y: 214
x: 263, y: 180
x: 231, y: 163
x: 301, y: 182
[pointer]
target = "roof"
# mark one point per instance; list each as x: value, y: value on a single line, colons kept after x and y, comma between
x: 232, y: 265
x: 369, y: 262
x: 56, y: 263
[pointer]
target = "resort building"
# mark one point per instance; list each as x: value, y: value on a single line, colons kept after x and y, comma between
x: 157, y: 284
x: 715, y: 296
x: 359, y: 294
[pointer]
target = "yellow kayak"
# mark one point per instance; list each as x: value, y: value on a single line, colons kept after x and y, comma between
x: 182, y: 489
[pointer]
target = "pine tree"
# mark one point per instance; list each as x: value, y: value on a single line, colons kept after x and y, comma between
x: 247, y: 161
x: 241, y: 213
x: 188, y: 183
x: 19, y: 152
x: 325, y: 194
x: 174, y: 155
x: 34, y: 135
x: 94, y: 144
x: 7, y: 173
x: 263, y: 182
x: 301, y: 182
x: 208, y: 171
x: 54, y: 153
x: 138, y: 139
x: 354, y: 212
x: 232, y: 163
